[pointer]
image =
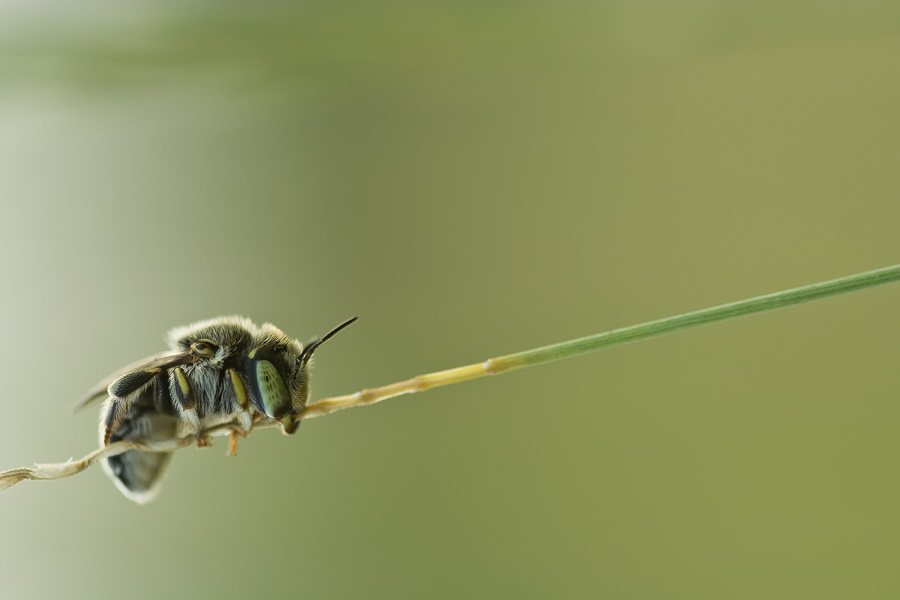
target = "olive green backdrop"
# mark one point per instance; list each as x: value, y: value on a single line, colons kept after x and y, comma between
x: 470, y: 179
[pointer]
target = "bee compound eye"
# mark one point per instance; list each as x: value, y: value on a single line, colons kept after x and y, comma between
x: 270, y: 389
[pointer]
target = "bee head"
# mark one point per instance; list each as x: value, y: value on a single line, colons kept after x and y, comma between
x: 276, y: 368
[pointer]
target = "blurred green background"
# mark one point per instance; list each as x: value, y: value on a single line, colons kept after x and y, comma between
x: 471, y: 179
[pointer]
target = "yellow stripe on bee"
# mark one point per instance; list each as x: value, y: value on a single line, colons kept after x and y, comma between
x: 183, y: 383
x: 240, y: 391
x: 252, y: 354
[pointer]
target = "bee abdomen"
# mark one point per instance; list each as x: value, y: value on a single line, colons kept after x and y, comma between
x: 139, y: 474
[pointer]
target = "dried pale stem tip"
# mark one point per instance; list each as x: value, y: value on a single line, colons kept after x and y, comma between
x: 44, y: 472
x: 410, y: 386
x: 490, y: 367
x: 41, y: 472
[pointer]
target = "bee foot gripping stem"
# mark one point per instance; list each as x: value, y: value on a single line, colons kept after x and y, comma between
x: 203, y: 441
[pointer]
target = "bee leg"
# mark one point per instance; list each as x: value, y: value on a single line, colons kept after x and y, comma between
x: 244, y: 421
x: 131, y: 382
x: 241, y: 428
x: 232, y: 443
x: 115, y: 414
x: 119, y: 390
x: 187, y: 406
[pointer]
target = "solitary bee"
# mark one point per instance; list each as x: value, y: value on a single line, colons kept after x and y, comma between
x: 224, y: 370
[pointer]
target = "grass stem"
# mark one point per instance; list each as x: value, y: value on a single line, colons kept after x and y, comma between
x: 495, y: 366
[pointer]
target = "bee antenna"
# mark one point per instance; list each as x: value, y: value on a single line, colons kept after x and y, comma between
x: 310, y: 347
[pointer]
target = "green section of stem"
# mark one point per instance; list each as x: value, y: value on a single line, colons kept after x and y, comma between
x: 693, y: 319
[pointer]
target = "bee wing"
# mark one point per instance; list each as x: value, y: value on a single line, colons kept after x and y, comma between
x: 163, y: 360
